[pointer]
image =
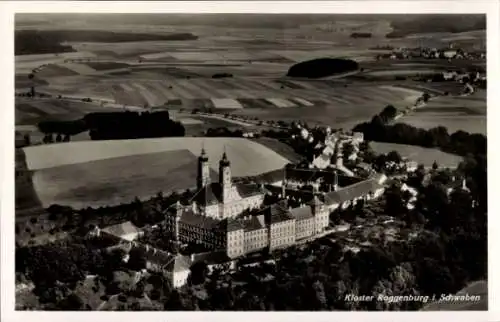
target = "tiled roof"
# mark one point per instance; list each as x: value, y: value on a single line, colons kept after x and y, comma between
x: 353, y: 191
x: 248, y: 190
x: 233, y: 225
x: 122, y: 229
x: 302, y: 213
x: 304, y: 195
x: 271, y: 176
x: 253, y: 223
x: 188, y: 217
x: 277, y: 213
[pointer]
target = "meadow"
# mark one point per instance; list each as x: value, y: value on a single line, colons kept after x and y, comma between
x: 421, y: 155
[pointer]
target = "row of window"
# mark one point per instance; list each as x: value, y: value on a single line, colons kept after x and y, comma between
x: 282, y: 241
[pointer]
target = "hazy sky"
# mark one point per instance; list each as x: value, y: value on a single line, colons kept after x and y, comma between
x: 237, y: 20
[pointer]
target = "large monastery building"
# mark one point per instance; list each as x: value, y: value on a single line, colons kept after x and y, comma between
x: 215, y: 217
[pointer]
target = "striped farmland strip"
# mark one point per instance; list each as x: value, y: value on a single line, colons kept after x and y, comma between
x: 210, y: 86
x: 377, y: 94
x: 355, y: 93
x: 228, y: 84
x: 198, y: 91
x: 229, y: 93
x: 150, y: 98
x: 221, y: 84
x: 307, y: 94
x: 249, y: 103
x: 182, y: 92
x: 118, y: 93
x: 134, y: 98
x: 30, y: 109
x: 226, y: 103
x: 255, y: 85
x: 302, y: 101
x: 155, y: 90
x: 244, y: 94
x: 52, y: 107
x: 289, y: 84
x: 281, y: 103
x: 163, y: 86
x: 201, y: 103
x: 381, y: 94
x: 264, y: 103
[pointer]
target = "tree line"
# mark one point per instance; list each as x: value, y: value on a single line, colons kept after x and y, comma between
x: 115, y: 126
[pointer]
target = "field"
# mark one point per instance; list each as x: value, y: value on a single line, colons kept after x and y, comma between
x: 421, y: 155
x: 177, y: 75
x: 117, y: 171
x: 31, y: 111
x: 455, y: 113
x: 152, y: 73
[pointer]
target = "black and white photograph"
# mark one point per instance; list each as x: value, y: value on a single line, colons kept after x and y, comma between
x: 269, y: 162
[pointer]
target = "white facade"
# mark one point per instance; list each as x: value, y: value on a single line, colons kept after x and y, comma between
x: 255, y: 240
x: 233, y: 207
x: 235, y: 244
x: 282, y: 234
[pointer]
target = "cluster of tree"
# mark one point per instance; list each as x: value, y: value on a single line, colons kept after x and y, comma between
x: 132, y: 125
x: 140, y: 213
x: 222, y: 75
x: 114, y: 125
x: 64, y: 261
x: 28, y: 42
x: 50, y: 41
x: 223, y: 132
x: 387, y: 114
x: 460, y: 142
x: 322, y: 67
x: 361, y: 35
x: 63, y: 127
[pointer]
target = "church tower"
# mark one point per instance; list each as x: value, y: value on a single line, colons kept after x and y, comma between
x: 203, y: 178
x: 225, y: 177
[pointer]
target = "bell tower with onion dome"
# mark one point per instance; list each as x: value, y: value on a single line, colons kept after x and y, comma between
x: 203, y: 177
x: 225, y: 177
